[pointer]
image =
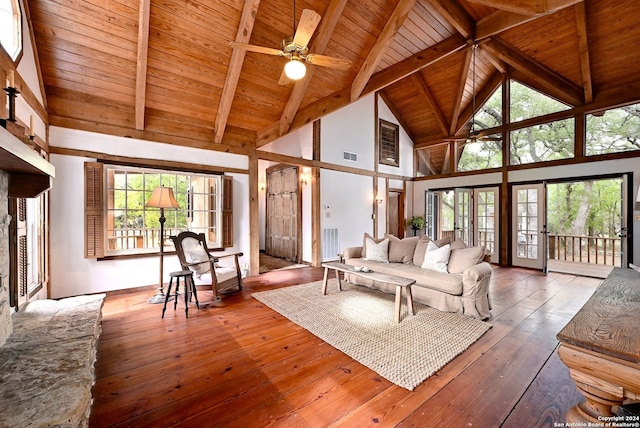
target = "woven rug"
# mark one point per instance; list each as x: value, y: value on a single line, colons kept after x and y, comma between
x: 359, y: 321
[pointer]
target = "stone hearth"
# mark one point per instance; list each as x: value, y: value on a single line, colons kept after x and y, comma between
x: 47, y: 363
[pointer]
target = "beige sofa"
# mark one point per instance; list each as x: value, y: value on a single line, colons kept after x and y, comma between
x: 462, y: 288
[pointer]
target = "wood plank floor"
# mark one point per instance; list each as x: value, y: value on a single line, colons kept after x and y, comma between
x: 239, y: 364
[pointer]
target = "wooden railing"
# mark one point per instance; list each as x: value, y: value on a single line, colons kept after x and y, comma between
x: 127, y: 239
x: 585, y: 249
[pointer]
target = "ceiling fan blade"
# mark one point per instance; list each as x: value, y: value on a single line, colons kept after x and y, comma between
x: 308, y: 23
x: 259, y: 49
x: 328, y: 61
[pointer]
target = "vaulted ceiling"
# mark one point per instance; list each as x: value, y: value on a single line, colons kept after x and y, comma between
x: 164, y: 70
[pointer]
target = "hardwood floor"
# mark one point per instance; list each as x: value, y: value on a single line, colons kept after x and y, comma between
x: 240, y: 364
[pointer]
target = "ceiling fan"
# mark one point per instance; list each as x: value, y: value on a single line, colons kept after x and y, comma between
x: 295, y: 48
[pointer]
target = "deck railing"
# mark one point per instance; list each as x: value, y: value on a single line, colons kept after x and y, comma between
x: 585, y: 249
x: 127, y: 239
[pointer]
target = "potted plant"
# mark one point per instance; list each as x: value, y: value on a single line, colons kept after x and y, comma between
x: 417, y: 223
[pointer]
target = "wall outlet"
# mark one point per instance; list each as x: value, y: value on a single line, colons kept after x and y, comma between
x: 636, y: 218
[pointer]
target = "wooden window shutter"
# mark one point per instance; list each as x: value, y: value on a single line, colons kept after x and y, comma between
x: 389, y: 143
x: 227, y: 211
x: 93, y: 210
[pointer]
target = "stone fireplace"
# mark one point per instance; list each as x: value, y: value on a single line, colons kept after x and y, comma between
x: 6, y: 326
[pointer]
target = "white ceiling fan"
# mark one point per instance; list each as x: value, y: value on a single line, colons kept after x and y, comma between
x: 295, y: 48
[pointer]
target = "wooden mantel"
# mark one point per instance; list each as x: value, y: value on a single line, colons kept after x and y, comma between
x: 29, y: 174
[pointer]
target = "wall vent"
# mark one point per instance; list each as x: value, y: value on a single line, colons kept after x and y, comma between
x: 353, y: 157
x: 330, y: 244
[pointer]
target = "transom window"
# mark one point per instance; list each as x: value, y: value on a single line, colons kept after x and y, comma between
x: 132, y: 227
x: 11, y: 27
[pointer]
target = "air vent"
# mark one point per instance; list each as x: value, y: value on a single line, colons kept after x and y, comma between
x: 330, y: 244
x: 353, y: 157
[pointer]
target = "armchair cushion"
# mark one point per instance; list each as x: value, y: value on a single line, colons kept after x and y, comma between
x: 197, y: 254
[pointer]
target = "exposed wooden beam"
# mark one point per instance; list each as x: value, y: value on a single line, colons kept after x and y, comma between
x: 396, y: 113
x: 423, y: 156
x: 321, y: 39
x: 583, y: 48
x: 378, y: 81
x: 141, y: 65
x: 455, y: 15
x: 235, y: 67
x: 462, y: 83
x: 527, y: 7
x: 425, y: 92
x: 416, y: 62
x: 554, y: 84
x: 369, y: 65
x: 482, y: 96
x: 503, y: 20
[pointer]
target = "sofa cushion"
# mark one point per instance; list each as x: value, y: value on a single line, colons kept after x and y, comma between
x: 463, y: 258
x: 442, y: 241
x: 401, y: 250
x: 458, y: 244
x: 436, y: 257
x: 364, y: 243
x: 420, y: 251
x: 377, y: 251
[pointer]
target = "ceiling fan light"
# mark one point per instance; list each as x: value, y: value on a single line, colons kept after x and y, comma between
x: 295, y: 69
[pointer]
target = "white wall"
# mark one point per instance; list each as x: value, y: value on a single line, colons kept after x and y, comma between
x: 71, y: 273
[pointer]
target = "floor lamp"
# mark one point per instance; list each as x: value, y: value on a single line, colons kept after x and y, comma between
x: 162, y: 198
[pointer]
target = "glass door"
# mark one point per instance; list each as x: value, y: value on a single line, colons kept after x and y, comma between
x: 529, y: 226
x: 487, y: 220
x: 463, y: 215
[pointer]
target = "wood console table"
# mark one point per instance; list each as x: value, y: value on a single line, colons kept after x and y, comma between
x: 601, y: 347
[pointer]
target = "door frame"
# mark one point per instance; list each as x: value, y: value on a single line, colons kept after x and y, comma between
x: 540, y: 230
x: 298, y: 225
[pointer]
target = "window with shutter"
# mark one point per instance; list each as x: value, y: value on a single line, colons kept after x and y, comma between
x: 388, y: 143
x: 118, y: 222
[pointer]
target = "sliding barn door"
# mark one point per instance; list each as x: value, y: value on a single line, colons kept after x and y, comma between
x: 283, y: 214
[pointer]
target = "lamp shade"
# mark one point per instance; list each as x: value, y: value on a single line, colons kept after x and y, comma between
x: 162, y: 197
x: 295, y: 69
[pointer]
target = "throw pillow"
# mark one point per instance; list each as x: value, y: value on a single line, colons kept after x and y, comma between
x: 436, y: 257
x: 364, y: 243
x: 464, y: 258
x: 442, y: 241
x: 377, y: 251
x: 421, y: 250
x: 401, y: 250
x: 458, y: 244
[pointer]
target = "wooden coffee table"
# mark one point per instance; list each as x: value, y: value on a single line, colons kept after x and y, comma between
x: 400, y: 283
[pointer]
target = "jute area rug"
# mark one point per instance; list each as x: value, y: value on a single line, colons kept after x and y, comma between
x: 359, y: 321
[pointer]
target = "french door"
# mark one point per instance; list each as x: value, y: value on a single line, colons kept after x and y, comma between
x: 529, y: 226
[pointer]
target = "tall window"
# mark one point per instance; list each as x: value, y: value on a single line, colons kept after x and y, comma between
x: 132, y: 227
x: 11, y: 27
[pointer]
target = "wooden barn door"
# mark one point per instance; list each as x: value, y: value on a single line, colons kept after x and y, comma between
x: 284, y: 223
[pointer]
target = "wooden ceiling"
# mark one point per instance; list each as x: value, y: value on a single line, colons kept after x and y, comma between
x: 163, y: 70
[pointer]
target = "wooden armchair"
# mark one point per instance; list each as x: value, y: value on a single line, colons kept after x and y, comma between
x: 194, y: 255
